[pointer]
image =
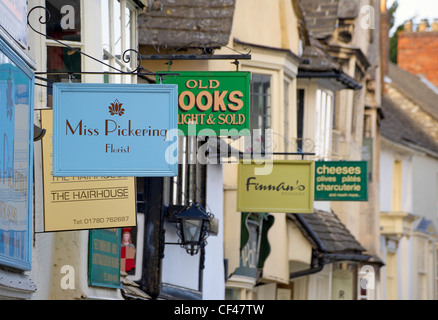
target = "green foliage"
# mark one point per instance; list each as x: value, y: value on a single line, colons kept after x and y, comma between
x: 391, y: 13
x: 393, y: 42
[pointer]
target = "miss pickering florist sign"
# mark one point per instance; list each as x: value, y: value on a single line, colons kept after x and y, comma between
x: 114, y: 129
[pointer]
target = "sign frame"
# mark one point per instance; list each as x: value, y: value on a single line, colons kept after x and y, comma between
x: 24, y: 261
x: 340, y: 170
x: 112, y: 156
x: 96, y: 272
x: 258, y: 203
x: 85, y: 211
x: 200, y: 85
x: 14, y: 20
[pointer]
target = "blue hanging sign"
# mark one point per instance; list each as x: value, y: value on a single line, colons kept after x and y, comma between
x: 16, y: 159
x: 115, y: 129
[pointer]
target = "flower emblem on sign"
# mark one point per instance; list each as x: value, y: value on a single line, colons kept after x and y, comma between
x: 116, y: 108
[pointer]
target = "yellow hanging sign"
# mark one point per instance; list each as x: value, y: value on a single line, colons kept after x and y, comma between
x: 75, y: 203
x: 288, y: 188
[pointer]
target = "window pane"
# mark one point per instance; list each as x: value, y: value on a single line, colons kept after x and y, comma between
x: 62, y: 59
x: 260, y: 110
x: 65, y: 19
x: 300, y: 119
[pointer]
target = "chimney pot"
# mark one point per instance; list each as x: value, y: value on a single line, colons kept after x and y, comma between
x: 422, y: 26
x: 435, y: 25
x: 408, y: 26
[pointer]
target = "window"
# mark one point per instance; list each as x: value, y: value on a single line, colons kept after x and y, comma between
x: 119, y: 22
x: 422, y: 269
x: 65, y: 21
x: 324, y: 110
x: 397, y: 186
x: 65, y: 25
x: 300, y: 119
x: 260, y: 110
x: 436, y: 271
x: 190, y: 184
x: 286, y: 118
x: 391, y: 276
x: 436, y: 196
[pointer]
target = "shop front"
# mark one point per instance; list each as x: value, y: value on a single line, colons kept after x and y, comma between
x: 16, y: 154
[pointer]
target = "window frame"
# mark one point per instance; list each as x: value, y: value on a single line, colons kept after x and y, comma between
x: 113, y: 59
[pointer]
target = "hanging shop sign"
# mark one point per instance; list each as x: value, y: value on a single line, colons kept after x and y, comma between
x: 217, y: 103
x: 76, y: 203
x: 16, y: 159
x: 288, y: 188
x: 341, y: 181
x: 104, y: 258
x: 114, y: 129
x: 14, y: 19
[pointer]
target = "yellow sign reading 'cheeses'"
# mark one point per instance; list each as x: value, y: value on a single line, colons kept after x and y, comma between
x: 288, y: 188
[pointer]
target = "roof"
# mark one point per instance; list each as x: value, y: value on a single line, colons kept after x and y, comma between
x: 318, y: 63
x: 198, y: 22
x: 415, y: 88
x: 322, y: 15
x: 398, y: 127
x: 319, y: 59
x: 425, y: 226
x: 327, y: 233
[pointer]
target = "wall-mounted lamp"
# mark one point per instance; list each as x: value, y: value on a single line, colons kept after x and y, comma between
x: 192, y: 226
x: 38, y: 133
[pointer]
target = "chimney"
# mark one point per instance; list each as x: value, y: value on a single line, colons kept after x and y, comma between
x: 422, y: 25
x: 384, y: 38
x: 408, y: 26
x: 435, y: 25
x: 416, y: 51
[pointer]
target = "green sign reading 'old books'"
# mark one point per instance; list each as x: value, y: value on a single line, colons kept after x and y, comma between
x: 341, y: 181
x: 212, y: 103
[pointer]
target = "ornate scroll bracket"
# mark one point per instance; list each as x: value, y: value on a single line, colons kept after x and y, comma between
x: 205, y: 52
x: 126, y: 57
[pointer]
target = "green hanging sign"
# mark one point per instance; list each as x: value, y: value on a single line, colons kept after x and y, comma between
x: 212, y: 103
x: 341, y: 181
x: 104, y: 258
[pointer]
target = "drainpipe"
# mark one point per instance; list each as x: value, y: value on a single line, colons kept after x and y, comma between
x: 318, y: 260
x: 153, y: 237
x: 320, y: 256
x: 317, y: 257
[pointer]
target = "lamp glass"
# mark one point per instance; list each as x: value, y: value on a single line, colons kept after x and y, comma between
x: 192, y: 230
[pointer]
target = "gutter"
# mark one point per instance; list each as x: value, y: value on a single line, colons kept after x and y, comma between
x: 316, y: 255
x: 320, y: 256
x: 346, y: 80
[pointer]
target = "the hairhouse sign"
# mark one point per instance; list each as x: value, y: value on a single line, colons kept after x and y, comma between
x: 113, y: 129
x: 217, y: 103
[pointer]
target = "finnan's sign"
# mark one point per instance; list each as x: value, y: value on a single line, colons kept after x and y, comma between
x: 114, y: 129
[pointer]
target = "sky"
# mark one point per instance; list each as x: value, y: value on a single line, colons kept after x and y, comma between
x: 420, y: 9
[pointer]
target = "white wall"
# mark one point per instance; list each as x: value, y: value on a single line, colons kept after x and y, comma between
x: 214, y: 278
x: 424, y: 178
x: 386, y: 170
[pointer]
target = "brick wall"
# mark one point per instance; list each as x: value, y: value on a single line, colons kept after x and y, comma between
x: 417, y: 53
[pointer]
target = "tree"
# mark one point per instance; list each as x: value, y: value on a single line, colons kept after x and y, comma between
x: 393, y: 43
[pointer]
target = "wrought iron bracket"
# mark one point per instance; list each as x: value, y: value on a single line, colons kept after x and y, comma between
x: 206, y: 52
x: 126, y: 57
